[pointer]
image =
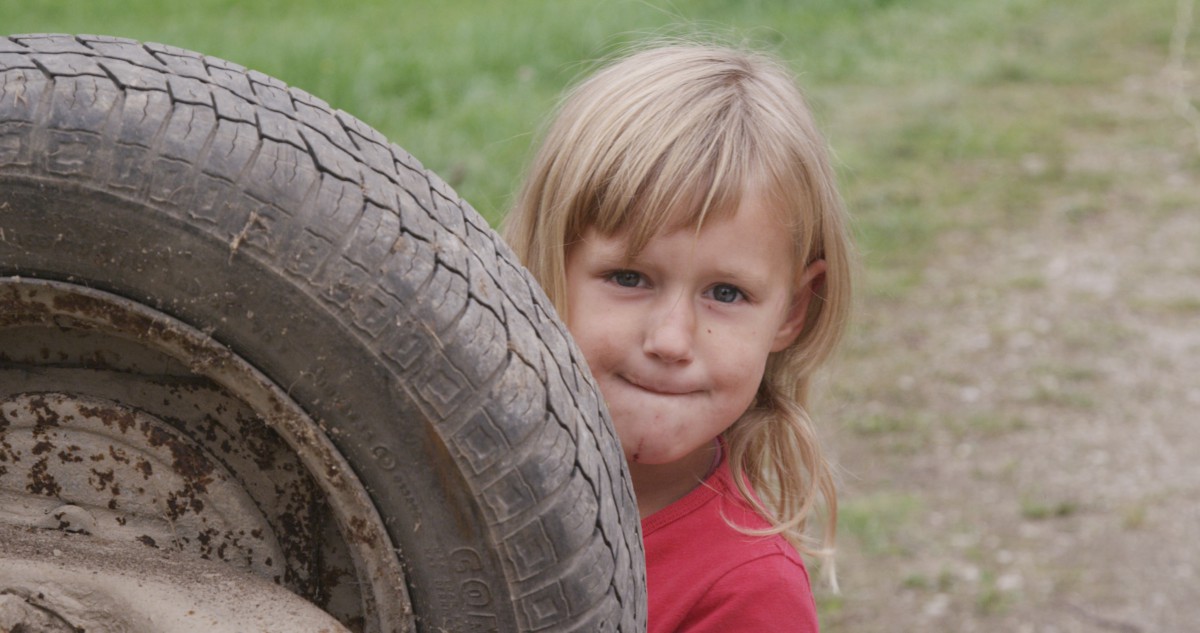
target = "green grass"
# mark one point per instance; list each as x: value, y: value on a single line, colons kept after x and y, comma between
x: 879, y: 523
x: 1037, y: 508
x: 928, y: 103
x: 462, y: 84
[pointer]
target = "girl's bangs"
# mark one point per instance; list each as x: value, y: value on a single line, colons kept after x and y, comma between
x: 688, y: 185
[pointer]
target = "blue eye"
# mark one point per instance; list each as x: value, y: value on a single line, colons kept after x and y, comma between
x: 627, y: 278
x: 726, y: 293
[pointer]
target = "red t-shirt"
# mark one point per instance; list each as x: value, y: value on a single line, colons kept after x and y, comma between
x: 703, y: 575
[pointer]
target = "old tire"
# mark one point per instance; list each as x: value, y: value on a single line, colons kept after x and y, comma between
x: 153, y: 185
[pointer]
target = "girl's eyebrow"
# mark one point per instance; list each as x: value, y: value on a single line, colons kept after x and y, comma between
x: 609, y: 248
x: 742, y: 276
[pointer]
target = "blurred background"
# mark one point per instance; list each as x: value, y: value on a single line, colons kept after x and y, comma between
x: 1014, y: 415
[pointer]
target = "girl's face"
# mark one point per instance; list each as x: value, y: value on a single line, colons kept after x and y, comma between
x: 678, y: 338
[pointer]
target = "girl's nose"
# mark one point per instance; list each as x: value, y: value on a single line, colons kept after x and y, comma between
x: 671, y: 331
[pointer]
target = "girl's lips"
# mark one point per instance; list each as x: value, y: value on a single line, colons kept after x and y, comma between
x: 657, y: 388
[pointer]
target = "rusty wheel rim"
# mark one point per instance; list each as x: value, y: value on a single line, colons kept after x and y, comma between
x: 121, y: 423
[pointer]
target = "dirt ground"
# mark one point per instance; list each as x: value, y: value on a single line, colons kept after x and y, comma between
x: 1018, y: 437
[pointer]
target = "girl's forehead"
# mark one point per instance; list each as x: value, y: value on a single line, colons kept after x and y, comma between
x: 636, y: 232
x: 694, y: 210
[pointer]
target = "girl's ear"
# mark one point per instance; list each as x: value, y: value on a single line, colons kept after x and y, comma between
x: 807, y: 285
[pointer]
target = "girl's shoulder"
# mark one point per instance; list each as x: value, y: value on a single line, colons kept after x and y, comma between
x: 768, y: 593
x: 713, y: 506
x: 704, y: 574
x: 717, y: 518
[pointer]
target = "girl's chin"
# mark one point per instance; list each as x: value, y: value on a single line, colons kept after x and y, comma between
x: 646, y: 454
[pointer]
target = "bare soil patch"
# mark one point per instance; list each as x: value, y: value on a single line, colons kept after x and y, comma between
x: 1018, y: 435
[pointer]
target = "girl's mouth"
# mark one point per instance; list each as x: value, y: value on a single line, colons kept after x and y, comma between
x: 657, y: 388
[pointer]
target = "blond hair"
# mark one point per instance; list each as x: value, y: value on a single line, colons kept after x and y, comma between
x: 672, y: 136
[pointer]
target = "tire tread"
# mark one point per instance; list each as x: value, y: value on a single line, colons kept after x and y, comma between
x: 356, y: 223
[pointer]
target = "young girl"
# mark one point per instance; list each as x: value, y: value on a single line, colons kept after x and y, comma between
x: 682, y: 216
